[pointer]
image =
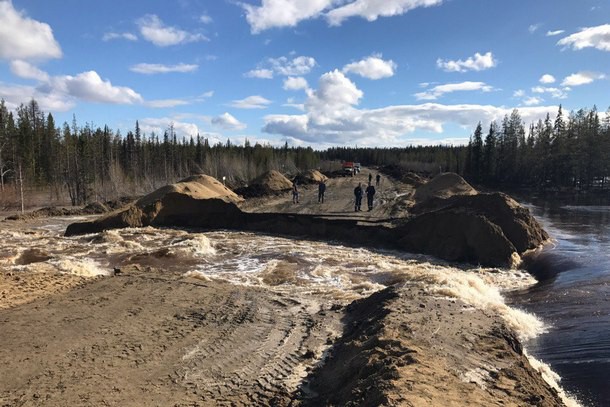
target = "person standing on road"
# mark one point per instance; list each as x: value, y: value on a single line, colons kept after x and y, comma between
x: 358, y: 196
x: 370, y: 177
x: 295, y: 193
x: 370, y: 193
x: 377, y: 179
x: 321, y: 190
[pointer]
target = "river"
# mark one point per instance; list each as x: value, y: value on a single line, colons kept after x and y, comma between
x: 573, y: 299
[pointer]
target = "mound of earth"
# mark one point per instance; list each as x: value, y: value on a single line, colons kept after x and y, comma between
x: 270, y: 183
x: 412, y: 178
x: 443, y: 186
x: 93, y: 208
x: 484, y: 228
x: 310, y: 177
x: 184, y: 203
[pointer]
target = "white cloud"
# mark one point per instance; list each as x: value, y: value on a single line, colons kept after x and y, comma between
x: 251, y: 102
x: 288, y: 13
x: 282, y: 13
x: 14, y: 95
x: 206, y: 19
x: 582, y: 78
x: 547, y: 78
x: 119, y: 36
x: 259, y: 73
x: 556, y: 93
x: 590, y: 37
x: 90, y: 87
x: 441, y: 90
x: 301, y: 65
x: 519, y: 93
x: 331, y: 117
x: 371, y: 10
x: 284, y: 66
x: 28, y: 71
x: 159, y: 125
x: 477, y: 62
x: 24, y: 38
x: 153, y: 30
x: 534, y: 27
x: 228, y: 122
x: 160, y: 68
x: 532, y: 101
x: 295, y: 83
x: 554, y: 33
x: 373, y: 67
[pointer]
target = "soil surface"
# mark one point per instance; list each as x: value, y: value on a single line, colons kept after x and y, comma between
x: 149, y: 337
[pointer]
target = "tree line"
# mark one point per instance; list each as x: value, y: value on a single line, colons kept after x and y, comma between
x: 89, y: 163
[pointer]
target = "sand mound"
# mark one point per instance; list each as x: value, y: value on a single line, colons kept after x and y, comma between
x: 273, y: 181
x: 444, y: 186
x: 310, y: 177
x: 413, y: 179
x: 196, y: 186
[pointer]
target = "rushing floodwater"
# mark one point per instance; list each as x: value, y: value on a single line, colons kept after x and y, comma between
x: 341, y: 274
x: 574, y: 299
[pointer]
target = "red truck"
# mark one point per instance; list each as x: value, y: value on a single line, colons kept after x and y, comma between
x: 348, y: 168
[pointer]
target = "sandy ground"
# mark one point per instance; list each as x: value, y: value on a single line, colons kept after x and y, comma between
x: 147, y: 337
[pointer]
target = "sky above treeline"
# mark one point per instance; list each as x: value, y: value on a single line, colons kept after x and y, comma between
x: 314, y: 73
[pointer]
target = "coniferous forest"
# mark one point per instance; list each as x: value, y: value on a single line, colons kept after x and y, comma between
x: 85, y: 163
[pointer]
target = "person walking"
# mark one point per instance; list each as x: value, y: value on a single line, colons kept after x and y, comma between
x: 370, y: 178
x: 321, y: 190
x: 377, y: 180
x: 295, y: 193
x: 358, y: 196
x: 370, y: 193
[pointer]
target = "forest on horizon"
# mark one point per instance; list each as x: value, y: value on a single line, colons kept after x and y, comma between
x: 565, y: 152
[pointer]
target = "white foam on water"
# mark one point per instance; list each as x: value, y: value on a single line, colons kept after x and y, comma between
x: 553, y: 380
x: 80, y: 267
x: 197, y: 244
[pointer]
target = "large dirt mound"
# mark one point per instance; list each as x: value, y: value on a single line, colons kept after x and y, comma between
x: 310, y: 177
x: 197, y: 187
x: 443, y: 186
x: 270, y: 183
x: 186, y: 203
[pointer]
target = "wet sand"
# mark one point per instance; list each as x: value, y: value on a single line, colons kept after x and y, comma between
x: 146, y: 336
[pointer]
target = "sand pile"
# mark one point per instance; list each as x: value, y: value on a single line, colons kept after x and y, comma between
x: 196, y: 186
x: 310, y: 177
x: 444, y: 186
x: 270, y: 183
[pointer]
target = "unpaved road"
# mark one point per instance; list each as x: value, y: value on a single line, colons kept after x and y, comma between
x: 391, y: 199
x: 144, y: 338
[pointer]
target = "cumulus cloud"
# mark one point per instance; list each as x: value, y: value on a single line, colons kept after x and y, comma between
x: 288, y: 13
x: 532, y: 101
x: 90, y: 87
x: 556, y: 93
x: 26, y: 70
x: 440, y: 90
x: 284, y: 66
x: 251, y: 102
x: 109, y: 36
x: 150, y: 69
x: 373, y: 67
x: 554, y: 33
x: 259, y: 73
x: 301, y: 65
x: 154, y: 30
x: 331, y: 116
x: 53, y: 101
x: 228, y: 122
x: 582, y: 78
x: 477, y: 62
x: 206, y: 19
x: 590, y: 37
x: 295, y: 83
x: 24, y: 38
x: 547, y: 78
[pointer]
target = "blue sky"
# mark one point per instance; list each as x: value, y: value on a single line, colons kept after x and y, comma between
x: 311, y: 72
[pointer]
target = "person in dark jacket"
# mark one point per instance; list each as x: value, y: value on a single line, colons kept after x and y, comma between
x: 358, y: 196
x: 370, y: 193
x: 377, y: 180
x: 321, y: 190
x: 295, y: 193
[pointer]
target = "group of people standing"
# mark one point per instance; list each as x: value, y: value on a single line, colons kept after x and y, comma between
x: 358, y: 193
